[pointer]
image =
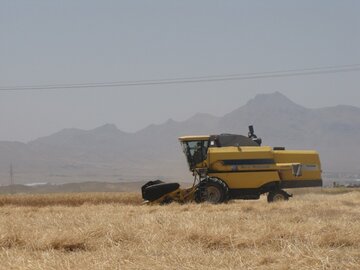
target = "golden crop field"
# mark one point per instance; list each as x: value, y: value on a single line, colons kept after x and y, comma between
x: 114, y: 231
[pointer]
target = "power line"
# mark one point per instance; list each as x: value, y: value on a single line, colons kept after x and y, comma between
x: 198, y: 79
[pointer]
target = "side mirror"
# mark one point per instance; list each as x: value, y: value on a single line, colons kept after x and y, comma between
x: 258, y: 141
x: 253, y: 136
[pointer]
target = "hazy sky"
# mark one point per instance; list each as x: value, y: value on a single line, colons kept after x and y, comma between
x: 51, y: 42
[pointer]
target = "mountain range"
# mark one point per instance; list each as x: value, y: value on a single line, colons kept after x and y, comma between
x: 107, y: 154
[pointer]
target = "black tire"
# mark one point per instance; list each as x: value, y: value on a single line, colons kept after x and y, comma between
x: 212, y: 190
x: 277, y: 195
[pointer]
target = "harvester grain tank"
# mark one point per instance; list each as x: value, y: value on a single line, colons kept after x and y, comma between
x: 229, y: 166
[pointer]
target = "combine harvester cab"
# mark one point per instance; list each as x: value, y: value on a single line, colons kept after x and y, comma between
x: 231, y: 166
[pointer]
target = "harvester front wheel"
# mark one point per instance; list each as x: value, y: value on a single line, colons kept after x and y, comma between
x: 212, y: 190
x: 277, y: 196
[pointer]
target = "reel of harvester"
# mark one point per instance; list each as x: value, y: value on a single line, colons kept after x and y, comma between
x: 158, y: 192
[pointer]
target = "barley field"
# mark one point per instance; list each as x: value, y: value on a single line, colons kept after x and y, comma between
x: 114, y: 231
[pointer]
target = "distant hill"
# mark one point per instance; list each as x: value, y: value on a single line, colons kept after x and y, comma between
x: 106, y: 154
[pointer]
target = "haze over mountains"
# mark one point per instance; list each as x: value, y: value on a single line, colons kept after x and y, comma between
x: 106, y: 154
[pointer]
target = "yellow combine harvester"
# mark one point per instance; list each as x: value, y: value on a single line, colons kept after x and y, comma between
x: 231, y: 166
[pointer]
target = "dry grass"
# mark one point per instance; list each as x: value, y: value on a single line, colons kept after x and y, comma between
x: 312, y: 231
x: 69, y: 199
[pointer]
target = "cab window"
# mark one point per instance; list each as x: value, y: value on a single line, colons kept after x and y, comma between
x: 196, y: 151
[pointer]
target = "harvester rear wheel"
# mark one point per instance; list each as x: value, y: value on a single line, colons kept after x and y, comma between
x: 212, y: 190
x: 277, y: 196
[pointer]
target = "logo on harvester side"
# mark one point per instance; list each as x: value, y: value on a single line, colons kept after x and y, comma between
x: 310, y: 167
x: 249, y: 164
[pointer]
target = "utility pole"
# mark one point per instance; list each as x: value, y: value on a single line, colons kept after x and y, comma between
x: 11, y: 179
